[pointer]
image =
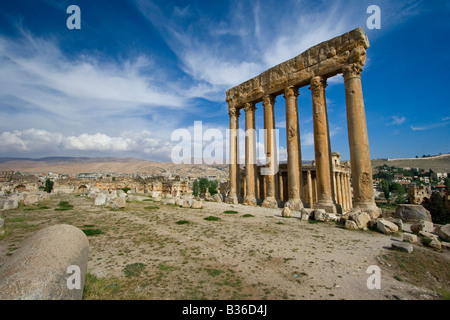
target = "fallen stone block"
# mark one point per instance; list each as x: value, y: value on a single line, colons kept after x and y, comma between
x: 50, y: 265
x: 361, y: 219
x: 398, y: 222
x: 196, y: 204
x: 319, y: 215
x: 286, y: 212
x: 118, y: 203
x: 402, y: 246
x: 349, y: 224
x: 386, y: 227
x: 411, y: 238
x: 444, y: 232
x: 412, y: 212
x: 422, y: 225
x: 100, y: 199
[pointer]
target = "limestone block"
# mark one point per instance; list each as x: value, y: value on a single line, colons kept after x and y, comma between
x: 444, y: 232
x: 100, y: 199
x: 386, y: 227
x: 319, y: 214
x: 350, y: 224
x: 38, y: 270
x: 196, y: 204
x: 10, y: 204
x: 411, y: 238
x: 445, y: 245
x: 307, y: 211
x: 31, y: 199
x: 187, y: 203
x: 422, y: 225
x: 405, y: 247
x: 217, y: 198
x: 286, y: 212
x: 305, y: 216
x: 330, y: 217
x: 169, y: 201
x: 361, y: 219
x: 412, y: 212
x: 118, y: 203
x: 398, y: 222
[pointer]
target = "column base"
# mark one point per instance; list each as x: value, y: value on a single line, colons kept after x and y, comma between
x: 232, y: 199
x: 251, y: 201
x: 270, y: 203
x: 329, y: 207
x: 294, y: 204
x: 369, y: 207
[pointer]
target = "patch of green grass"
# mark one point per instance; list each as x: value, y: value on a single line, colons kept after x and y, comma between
x: 91, y: 232
x: 248, y: 215
x: 134, y: 269
x: 35, y: 208
x: 396, y: 277
x: 279, y: 223
x: 151, y: 208
x: 312, y: 221
x: 182, y: 222
x: 443, y: 293
x: 230, y: 212
x: 212, y: 218
x: 214, y: 272
x: 63, y: 206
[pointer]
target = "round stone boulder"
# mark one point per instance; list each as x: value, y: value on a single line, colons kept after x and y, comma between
x: 50, y: 265
x: 412, y: 212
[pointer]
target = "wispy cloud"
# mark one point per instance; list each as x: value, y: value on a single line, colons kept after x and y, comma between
x: 397, y: 120
x: 430, y: 126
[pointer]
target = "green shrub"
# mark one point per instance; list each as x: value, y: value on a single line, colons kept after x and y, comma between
x: 212, y: 218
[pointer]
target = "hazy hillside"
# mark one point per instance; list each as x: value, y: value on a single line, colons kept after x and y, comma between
x: 437, y: 163
x: 108, y: 165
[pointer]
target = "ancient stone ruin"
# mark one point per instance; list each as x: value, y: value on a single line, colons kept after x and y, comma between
x: 345, y: 55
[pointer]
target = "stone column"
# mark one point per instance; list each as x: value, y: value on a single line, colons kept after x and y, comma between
x: 310, y: 188
x: 322, y: 147
x: 342, y: 192
x: 292, y: 135
x: 357, y: 135
x: 349, y: 192
x: 337, y: 186
x: 250, y: 154
x: 269, y: 126
x: 234, y: 155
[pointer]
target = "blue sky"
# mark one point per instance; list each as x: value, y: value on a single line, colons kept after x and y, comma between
x: 137, y: 70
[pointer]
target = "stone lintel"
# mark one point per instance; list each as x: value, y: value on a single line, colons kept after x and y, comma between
x: 325, y: 59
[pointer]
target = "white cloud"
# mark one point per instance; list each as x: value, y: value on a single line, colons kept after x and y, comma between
x: 397, y: 120
x: 41, y: 142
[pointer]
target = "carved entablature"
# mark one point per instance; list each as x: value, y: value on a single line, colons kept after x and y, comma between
x: 325, y: 59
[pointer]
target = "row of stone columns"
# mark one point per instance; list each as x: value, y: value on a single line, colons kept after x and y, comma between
x: 327, y: 193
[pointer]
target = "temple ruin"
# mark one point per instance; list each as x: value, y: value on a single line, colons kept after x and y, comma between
x: 345, y: 55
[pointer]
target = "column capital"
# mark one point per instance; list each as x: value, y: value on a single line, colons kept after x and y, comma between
x: 352, y: 70
x: 268, y: 100
x: 291, y: 92
x: 249, y: 107
x: 318, y: 84
x: 234, y: 112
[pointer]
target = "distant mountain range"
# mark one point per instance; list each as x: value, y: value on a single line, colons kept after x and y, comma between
x: 75, y: 165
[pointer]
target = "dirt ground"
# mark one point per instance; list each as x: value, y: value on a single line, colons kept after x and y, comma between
x: 143, y: 253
